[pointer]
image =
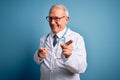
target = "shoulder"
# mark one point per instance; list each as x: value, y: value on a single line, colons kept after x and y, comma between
x: 76, y: 37
x: 44, y: 37
x: 74, y: 34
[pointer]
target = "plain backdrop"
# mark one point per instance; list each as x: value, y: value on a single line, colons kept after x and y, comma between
x: 22, y: 23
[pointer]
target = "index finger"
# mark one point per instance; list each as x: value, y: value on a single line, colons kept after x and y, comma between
x: 69, y: 42
x: 41, y: 49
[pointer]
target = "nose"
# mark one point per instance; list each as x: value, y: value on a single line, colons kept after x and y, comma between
x: 52, y: 21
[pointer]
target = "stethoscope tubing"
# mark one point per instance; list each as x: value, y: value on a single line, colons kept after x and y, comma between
x: 58, y: 38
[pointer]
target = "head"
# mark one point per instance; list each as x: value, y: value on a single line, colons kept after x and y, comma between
x: 58, y: 18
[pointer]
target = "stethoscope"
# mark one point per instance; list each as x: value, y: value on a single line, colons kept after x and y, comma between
x: 57, y: 56
x: 63, y: 37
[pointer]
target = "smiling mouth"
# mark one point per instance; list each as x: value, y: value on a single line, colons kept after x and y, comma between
x: 53, y: 26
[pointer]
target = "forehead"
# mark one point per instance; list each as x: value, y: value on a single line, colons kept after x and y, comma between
x: 57, y: 11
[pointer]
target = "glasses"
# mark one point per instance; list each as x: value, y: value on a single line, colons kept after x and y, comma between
x: 56, y: 19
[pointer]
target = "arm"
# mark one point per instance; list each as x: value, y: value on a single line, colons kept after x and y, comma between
x: 76, y: 62
x: 37, y: 59
x: 40, y: 54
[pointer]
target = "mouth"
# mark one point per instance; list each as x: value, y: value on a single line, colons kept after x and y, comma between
x: 54, y: 28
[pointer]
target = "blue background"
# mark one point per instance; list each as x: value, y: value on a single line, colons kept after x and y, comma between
x: 22, y: 23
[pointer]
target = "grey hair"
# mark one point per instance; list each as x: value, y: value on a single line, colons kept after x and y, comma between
x: 60, y: 6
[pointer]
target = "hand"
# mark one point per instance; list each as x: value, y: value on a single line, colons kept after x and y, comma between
x: 67, y: 48
x: 42, y: 52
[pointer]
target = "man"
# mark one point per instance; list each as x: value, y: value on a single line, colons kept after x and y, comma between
x: 62, y: 53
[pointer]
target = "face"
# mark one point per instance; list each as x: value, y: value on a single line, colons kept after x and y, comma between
x: 57, y: 20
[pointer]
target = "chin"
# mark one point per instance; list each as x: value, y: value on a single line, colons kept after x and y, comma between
x: 54, y: 32
x: 54, y: 29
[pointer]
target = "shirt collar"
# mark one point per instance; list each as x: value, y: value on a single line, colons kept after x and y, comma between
x: 60, y: 34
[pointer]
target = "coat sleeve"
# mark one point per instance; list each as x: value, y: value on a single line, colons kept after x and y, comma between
x: 37, y: 59
x: 76, y: 63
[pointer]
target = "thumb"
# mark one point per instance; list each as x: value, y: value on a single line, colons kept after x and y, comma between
x: 62, y: 45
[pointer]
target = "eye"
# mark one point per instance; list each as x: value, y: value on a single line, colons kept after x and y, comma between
x: 56, y: 18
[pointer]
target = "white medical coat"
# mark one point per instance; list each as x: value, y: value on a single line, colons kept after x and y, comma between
x: 55, y: 66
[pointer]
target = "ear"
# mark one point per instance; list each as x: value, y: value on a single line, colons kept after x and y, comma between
x: 67, y: 19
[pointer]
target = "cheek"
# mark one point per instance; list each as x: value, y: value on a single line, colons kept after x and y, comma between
x: 62, y: 24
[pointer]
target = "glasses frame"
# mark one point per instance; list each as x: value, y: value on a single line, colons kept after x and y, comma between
x: 56, y: 19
